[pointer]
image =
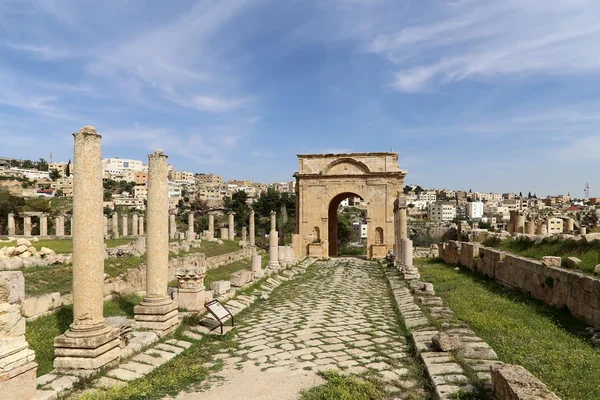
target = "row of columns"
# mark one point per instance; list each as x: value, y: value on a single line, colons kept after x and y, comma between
x: 226, y: 233
x: 137, y: 225
x: 59, y: 225
x: 403, y: 246
x: 90, y: 343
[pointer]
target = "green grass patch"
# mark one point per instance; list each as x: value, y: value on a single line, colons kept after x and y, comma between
x: 588, y: 253
x: 59, y: 278
x: 224, y: 272
x: 345, y: 387
x: 40, y: 333
x: 521, y: 330
x: 63, y: 246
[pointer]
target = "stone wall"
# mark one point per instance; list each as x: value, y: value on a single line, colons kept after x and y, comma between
x: 554, y: 286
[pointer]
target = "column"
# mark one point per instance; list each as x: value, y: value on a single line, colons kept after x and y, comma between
x: 273, y: 244
x: 224, y: 234
x: 244, y: 234
x: 530, y: 227
x: 191, y: 235
x: 281, y: 256
x: 61, y: 225
x: 231, y: 225
x: 211, y: 226
x: 56, y: 223
x: 134, y: 224
x: 125, y: 224
x: 115, y: 225
x: 568, y: 226
x: 44, y: 225
x: 141, y: 223
x: 172, y: 226
x: 89, y: 343
x: 27, y: 225
x: 252, y: 230
x: 11, y: 224
x: 157, y: 311
x: 17, y: 375
x: 520, y: 223
x: 105, y: 226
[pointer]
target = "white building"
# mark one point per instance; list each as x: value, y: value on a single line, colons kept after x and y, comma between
x: 440, y: 211
x: 360, y: 229
x: 118, y: 166
x: 475, y: 210
x: 427, y: 196
x: 32, y: 174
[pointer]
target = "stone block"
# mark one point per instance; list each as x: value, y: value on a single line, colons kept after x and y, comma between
x: 12, y: 287
x: 573, y: 262
x: 191, y: 299
x: 19, y: 383
x: 513, y: 382
x: 445, y: 342
x: 220, y: 287
x: 551, y: 261
x: 35, y: 306
x: 240, y: 278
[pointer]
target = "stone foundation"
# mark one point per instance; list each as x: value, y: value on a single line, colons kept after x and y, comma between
x: 159, y: 316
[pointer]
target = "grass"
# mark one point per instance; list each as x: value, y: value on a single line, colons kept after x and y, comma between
x: 211, y: 249
x: 224, y: 272
x: 40, y: 333
x: 588, y: 253
x: 63, y: 246
x: 341, y: 387
x: 50, y: 279
x: 521, y: 330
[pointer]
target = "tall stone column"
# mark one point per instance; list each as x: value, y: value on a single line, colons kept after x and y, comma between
x: 211, y: 226
x: 44, y: 225
x: 191, y: 235
x: 115, y: 225
x: 11, y: 224
x: 520, y: 223
x: 61, y: 225
x: 89, y: 343
x: 273, y: 243
x: 141, y: 223
x: 172, y: 226
x: 27, y: 225
x: 125, y: 224
x: 157, y: 311
x: 252, y: 230
x: 134, y: 224
x: 56, y: 223
x: 105, y: 226
x: 231, y: 225
x: 244, y: 234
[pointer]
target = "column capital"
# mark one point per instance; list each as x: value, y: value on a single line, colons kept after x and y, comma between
x: 231, y: 213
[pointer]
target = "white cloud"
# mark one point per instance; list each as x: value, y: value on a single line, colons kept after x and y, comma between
x: 45, y: 52
x: 216, y: 104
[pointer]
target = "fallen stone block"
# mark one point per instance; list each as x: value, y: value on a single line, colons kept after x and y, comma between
x: 551, y: 261
x: 513, y: 382
x: 240, y: 278
x: 573, y: 262
x: 445, y: 342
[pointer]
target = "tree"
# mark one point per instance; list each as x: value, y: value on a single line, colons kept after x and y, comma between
x: 68, y: 170
x: 42, y: 165
x: 8, y: 204
x: 272, y: 200
x: 238, y: 204
x: 54, y: 175
x: 27, y: 164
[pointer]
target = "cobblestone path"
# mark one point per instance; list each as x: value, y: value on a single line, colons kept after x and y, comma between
x: 338, y: 315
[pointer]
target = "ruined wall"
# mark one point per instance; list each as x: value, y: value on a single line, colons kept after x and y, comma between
x: 555, y: 286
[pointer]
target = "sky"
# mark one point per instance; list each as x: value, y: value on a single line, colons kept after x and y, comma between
x: 486, y: 95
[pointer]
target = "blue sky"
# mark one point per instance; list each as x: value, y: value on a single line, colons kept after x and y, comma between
x: 473, y: 94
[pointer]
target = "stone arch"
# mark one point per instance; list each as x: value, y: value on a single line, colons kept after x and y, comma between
x: 323, y: 180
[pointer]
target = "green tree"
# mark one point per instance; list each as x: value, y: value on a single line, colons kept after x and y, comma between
x: 42, y: 165
x: 27, y: 164
x: 272, y: 200
x: 8, y: 204
x: 238, y: 203
x: 68, y: 169
x: 54, y: 175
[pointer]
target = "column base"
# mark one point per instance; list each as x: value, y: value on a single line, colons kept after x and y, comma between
x: 158, y: 315
x: 191, y: 299
x: 87, y: 348
x: 274, y: 265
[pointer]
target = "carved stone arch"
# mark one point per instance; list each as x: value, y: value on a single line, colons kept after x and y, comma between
x: 346, y: 166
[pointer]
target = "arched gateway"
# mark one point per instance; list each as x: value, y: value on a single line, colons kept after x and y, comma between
x: 324, y: 180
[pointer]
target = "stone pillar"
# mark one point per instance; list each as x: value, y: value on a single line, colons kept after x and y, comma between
x: 17, y: 365
x: 273, y: 244
x: 105, y: 226
x: 298, y: 253
x: 61, y: 225
x: 211, y: 226
x: 582, y: 230
x: 191, y: 235
x: 257, y: 271
x: 224, y: 233
x: 141, y: 223
x: 11, y: 224
x: 172, y: 226
x: 44, y: 225
x: 520, y: 223
x: 125, y: 224
x: 281, y: 256
x: 408, y: 270
x: 115, y: 226
x: 568, y: 225
x: 27, y: 225
x: 134, y: 224
x: 157, y: 311
x: 89, y: 343
x: 191, y: 292
x: 56, y: 229
x: 231, y: 226
x: 530, y: 227
x: 244, y: 234
x: 252, y: 230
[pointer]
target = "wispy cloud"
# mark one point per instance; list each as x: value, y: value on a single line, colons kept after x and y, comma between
x: 44, y: 52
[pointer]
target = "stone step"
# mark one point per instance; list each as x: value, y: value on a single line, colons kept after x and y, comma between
x: 138, y: 367
x: 107, y: 383
x: 149, y: 359
x: 46, y: 395
x: 192, y: 335
x: 179, y: 343
x: 124, y: 374
x: 168, y: 348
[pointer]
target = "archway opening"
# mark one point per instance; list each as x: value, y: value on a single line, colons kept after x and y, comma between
x: 347, y: 226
